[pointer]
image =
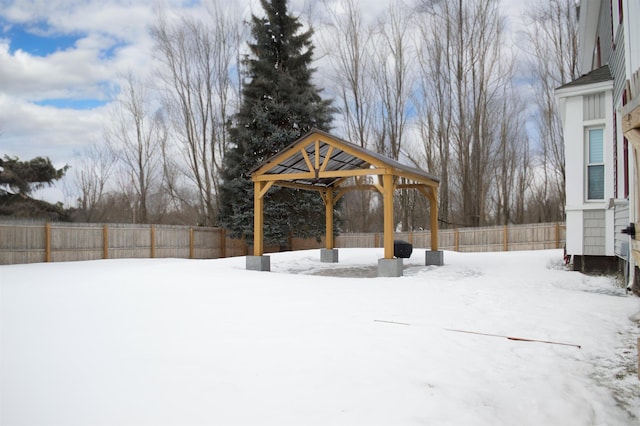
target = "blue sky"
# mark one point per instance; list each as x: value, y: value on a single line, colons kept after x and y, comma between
x: 60, y: 62
x: 40, y: 41
x: 37, y: 39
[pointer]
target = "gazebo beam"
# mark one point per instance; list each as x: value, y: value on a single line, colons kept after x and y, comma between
x: 321, y: 174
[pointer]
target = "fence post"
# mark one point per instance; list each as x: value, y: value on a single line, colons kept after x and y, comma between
x: 105, y: 241
x: 223, y: 243
x: 153, y: 241
x: 47, y: 242
x: 557, y: 235
x: 456, y: 239
x: 191, y: 242
x: 375, y: 240
x: 505, y: 241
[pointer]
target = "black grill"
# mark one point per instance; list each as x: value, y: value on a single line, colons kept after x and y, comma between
x: 402, y: 249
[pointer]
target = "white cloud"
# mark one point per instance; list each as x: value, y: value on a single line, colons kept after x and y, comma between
x: 72, y: 73
x: 113, y: 38
x: 30, y: 130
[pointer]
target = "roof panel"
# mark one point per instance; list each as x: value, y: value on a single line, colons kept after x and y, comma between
x: 344, y: 156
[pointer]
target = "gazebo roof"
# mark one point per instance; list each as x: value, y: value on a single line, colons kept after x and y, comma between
x: 319, y: 160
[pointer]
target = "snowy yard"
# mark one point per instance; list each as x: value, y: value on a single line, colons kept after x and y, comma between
x: 182, y: 342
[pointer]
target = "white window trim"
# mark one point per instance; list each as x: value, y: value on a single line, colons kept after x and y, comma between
x: 587, y: 164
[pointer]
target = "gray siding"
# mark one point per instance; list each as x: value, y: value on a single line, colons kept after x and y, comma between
x: 604, y: 31
x: 594, y: 233
x: 617, y: 65
x: 621, y: 221
x: 593, y: 106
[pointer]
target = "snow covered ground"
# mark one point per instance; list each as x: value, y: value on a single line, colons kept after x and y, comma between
x: 182, y: 342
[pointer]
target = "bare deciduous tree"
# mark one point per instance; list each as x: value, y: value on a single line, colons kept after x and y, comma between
x: 347, y: 45
x: 512, y: 168
x: 552, y: 36
x: 135, y: 135
x: 95, y: 168
x: 348, y: 48
x: 464, y: 67
x: 199, y: 66
x: 433, y: 99
x: 393, y: 77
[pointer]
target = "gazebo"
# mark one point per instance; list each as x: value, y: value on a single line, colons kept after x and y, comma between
x: 321, y: 162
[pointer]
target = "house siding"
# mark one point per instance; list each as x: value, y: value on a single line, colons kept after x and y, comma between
x: 621, y: 221
x: 587, y: 232
x: 594, y: 233
x: 593, y: 107
x: 617, y: 66
x: 604, y: 32
x: 606, y: 38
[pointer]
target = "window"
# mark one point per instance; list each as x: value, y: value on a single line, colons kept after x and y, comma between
x: 595, y: 164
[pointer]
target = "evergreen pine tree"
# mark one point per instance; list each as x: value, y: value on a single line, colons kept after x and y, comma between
x: 23, y: 177
x: 279, y: 104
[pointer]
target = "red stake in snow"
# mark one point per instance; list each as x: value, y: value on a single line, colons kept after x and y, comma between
x: 522, y: 339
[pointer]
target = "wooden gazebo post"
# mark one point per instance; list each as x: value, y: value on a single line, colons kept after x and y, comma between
x: 258, y: 262
x: 258, y: 219
x: 435, y: 256
x: 328, y: 204
x: 389, y: 266
x: 433, y: 207
x: 329, y: 254
x: 387, y: 186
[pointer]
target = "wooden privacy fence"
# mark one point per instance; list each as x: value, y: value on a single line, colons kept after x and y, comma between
x: 30, y: 242
x: 58, y: 242
x: 539, y: 236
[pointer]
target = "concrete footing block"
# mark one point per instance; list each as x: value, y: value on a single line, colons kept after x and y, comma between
x: 258, y: 263
x: 390, y: 267
x: 329, y: 255
x: 434, y: 258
